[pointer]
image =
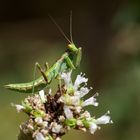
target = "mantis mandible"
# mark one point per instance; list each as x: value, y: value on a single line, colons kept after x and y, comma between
x: 69, y: 60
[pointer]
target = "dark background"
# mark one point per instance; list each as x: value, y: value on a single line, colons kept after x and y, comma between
x: 109, y: 33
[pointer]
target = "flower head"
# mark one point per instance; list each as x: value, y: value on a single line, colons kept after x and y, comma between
x: 52, y: 115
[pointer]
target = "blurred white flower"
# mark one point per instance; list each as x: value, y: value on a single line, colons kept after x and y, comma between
x: 79, y: 122
x: 66, y: 77
x: 70, y: 100
x: 30, y: 127
x: 90, y: 101
x: 50, y: 91
x: 39, y: 136
x: 105, y: 119
x: 79, y: 80
x: 74, y: 100
x: 42, y: 96
x: 19, y: 108
x: 86, y: 115
x: 68, y: 112
x: 61, y: 118
x: 58, y: 138
x: 38, y: 120
x: 56, y: 128
x: 83, y: 91
x: 78, y: 109
x: 93, y: 127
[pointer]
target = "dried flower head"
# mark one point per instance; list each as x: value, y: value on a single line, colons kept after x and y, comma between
x: 51, y: 116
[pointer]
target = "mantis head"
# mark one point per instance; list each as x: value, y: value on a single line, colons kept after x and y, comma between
x: 72, y: 47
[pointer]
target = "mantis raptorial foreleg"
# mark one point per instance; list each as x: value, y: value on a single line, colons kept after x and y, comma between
x: 42, y: 72
x: 69, y: 62
x: 78, y: 57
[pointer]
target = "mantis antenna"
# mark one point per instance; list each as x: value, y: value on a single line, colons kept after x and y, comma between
x: 62, y: 32
x: 71, y: 27
x: 60, y: 29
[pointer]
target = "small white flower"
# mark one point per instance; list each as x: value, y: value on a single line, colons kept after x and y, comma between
x: 39, y: 136
x: 38, y: 120
x: 69, y: 100
x: 50, y: 91
x: 44, y: 132
x: 19, y: 108
x: 74, y: 100
x: 45, y: 124
x: 90, y: 101
x: 83, y: 129
x: 82, y: 92
x: 68, y: 112
x: 78, y: 109
x: 79, y: 80
x: 86, y: 115
x: 105, y: 119
x: 58, y: 138
x: 30, y: 127
x: 42, y: 96
x: 66, y: 77
x: 93, y: 127
x: 61, y: 118
x: 79, y: 122
x: 61, y: 99
x: 56, y: 128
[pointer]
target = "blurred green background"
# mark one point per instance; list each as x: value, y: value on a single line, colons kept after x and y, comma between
x: 109, y: 33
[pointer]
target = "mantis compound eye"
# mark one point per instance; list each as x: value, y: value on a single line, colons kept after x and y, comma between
x: 72, y: 47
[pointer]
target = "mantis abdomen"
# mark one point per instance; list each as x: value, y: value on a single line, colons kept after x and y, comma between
x: 28, y: 87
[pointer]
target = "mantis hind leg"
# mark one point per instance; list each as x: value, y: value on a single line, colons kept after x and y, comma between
x: 34, y: 78
x: 42, y: 71
x: 37, y: 65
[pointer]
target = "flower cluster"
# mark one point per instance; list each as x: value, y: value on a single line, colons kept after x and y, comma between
x: 52, y: 115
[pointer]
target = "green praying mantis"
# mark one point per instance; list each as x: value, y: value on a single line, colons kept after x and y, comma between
x: 69, y: 60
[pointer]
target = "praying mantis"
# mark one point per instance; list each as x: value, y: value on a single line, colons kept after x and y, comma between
x: 69, y: 60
